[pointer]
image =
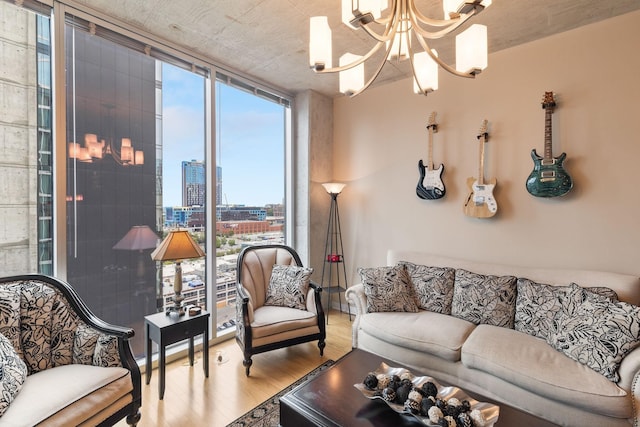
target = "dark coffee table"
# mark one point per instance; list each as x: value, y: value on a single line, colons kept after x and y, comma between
x: 330, y: 399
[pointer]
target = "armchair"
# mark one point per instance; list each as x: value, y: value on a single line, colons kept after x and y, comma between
x: 262, y: 327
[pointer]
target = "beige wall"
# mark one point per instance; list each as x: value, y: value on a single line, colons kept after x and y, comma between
x: 380, y: 135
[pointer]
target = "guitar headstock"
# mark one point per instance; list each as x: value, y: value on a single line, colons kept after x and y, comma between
x: 432, y: 122
x: 548, y: 102
x: 482, y: 133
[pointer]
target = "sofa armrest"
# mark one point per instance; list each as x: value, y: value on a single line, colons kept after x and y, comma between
x: 355, y: 294
x: 629, y: 369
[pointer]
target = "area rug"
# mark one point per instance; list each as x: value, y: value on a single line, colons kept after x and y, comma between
x: 267, y: 414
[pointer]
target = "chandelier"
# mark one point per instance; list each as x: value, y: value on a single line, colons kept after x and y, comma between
x: 395, y: 33
x: 95, y: 149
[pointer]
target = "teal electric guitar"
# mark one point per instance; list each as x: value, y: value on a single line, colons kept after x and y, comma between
x: 548, y: 178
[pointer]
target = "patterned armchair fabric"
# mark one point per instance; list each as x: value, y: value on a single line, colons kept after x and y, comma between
x: 49, y: 325
x: 263, y: 325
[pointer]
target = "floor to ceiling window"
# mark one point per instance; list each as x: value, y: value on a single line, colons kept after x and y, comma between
x: 142, y: 132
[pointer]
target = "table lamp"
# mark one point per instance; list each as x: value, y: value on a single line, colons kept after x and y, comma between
x: 178, y: 245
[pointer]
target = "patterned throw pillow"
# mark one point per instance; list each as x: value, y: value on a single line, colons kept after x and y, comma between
x: 484, y: 299
x: 388, y: 289
x: 288, y: 286
x: 13, y: 372
x: 36, y: 306
x: 433, y: 286
x: 538, y: 303
x: 84, y: 344
x: 10, y: 315
x: 594, y: 331
x: 106, y: 352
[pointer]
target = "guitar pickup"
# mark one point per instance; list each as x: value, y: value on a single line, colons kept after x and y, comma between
x: 548, y: 175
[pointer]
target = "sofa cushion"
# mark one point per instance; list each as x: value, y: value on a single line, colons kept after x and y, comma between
x: 10, y: 315
x: 426, y: 331
x: 68, y: 395
x: 84, y: 344
x: 538, y: 303
x: 288, y: 286
x: 388, y: 289
x: 533, y: 365
x: 484, y: 299
x: 63, y: 325
x: 433, y: 286
x: 594, y: 331
x: 13, y: 372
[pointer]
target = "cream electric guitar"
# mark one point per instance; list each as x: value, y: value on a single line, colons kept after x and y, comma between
x: 430, y: 185
x: 481, y: 203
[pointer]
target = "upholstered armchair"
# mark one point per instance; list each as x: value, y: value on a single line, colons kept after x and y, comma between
x: 278, y: 306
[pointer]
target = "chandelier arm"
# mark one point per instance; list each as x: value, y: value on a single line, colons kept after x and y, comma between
x: 386, y: 36
x: 420, y: 17
x: 376, y: 74
x: 437, y: 34
x: 440, y: 62
x: 357, y: 62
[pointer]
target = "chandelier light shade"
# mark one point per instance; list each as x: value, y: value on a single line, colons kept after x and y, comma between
x: 177, y: 246
x: 334, y: 187
x: 403, y: 33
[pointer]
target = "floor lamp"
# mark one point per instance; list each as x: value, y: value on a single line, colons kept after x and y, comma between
x: 333, y: 251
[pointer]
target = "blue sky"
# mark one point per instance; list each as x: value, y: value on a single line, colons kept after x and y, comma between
x: 250, y: 133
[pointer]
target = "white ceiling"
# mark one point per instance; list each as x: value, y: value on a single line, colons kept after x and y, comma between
x: 268, y: 39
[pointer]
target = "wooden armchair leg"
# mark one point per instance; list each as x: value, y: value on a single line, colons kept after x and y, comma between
x: 133, y: 419
x: 247, y: 363
x: 321, y: 345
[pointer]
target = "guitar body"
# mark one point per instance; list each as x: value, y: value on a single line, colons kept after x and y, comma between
x: 430, y: 185
x: 548, y: 178
x: 481, y: 203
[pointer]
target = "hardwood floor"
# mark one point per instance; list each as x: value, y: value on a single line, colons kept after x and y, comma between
x: 190, y: 399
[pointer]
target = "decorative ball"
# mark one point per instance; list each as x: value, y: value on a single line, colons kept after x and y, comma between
x: 453, y: 401
x: 430, y: 389
x: 406, y: 376
x: 389, y: 394
x: 402, y: 393
x: 452, y: 410
x: 414, y: 394
x: 412, y: 406
x: 443, y: 422
x: 425, y: 405
x: 395, y: 382
x: 383, y: 381
x: 478, y: 418
x: 434, y: 414
x: 441, y: 404
x: 371, y: 382
x: 464, y: 420
x: 451, y: 422
x: 466, y: 406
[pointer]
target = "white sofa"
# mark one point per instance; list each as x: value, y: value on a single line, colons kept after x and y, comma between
x: 500, y: 363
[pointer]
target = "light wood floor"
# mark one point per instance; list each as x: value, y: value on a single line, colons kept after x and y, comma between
x: 192, y: 400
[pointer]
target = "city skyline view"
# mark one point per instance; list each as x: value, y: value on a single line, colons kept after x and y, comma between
x: 249, y: 135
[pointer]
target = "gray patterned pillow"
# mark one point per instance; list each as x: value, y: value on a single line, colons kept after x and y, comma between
x: 388, y: 289
x: 484, y: 299
x: 13, y: 372
x: 106, y: 352
x: 84, y: 344
x: 594, y: 331
x: 538, y: 303
x: 288, y: 286
x: 433, y: 286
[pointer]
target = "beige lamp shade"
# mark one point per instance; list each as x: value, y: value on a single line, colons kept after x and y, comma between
x: 334, y: 187
x: 176, y: 246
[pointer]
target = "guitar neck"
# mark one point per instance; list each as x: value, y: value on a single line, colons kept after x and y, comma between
x: 548, y: 149
x: 481, y: 163
x: 430, y: 150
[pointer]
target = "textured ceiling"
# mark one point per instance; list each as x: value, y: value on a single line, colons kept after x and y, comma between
x: 268, y: 39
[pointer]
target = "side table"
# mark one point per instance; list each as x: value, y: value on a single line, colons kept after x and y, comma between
x: 169, y: 329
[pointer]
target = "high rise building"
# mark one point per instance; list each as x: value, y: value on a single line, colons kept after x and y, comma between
x: 218, y: 185
x: 193, y: 183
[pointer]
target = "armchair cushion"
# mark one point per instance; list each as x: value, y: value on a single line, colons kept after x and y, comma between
x: 13, y: 372
x: 10, y: 315
x: 288, y: 286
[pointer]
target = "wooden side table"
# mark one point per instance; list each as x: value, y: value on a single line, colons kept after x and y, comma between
x: 169, y: 329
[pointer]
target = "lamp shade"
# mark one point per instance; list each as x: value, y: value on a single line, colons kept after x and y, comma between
x: 425, y: 72
x: 351, y: 80
x: 471, y: 49
x: 138, y: 238
x: 334, y: 187
x: 176, y: 246
x: 320, y: 43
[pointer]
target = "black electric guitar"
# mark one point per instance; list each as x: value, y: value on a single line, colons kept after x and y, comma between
x: 481, y: 203
x: 548, y: 178
x: 430, y: 185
